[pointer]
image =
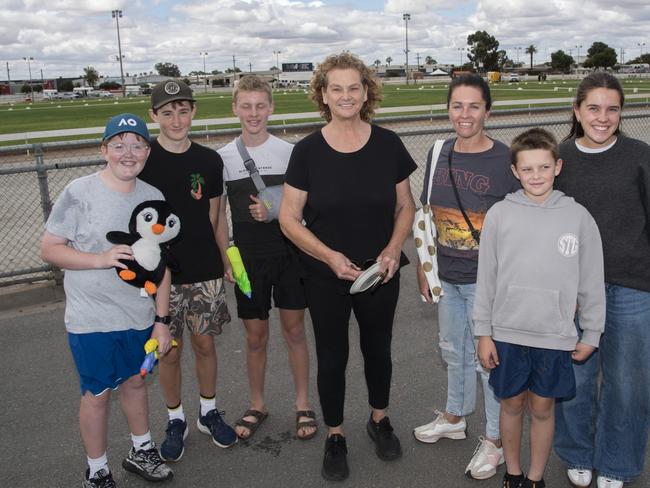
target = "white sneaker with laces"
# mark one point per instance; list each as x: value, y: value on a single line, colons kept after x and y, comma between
x: 579, y: 477
x: 604, y: 482
x: 485, y: 460
x: 439, y: 428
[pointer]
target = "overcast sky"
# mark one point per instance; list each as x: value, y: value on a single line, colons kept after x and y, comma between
x: 64, y: 36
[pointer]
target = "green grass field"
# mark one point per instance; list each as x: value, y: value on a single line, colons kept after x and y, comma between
x: 59, y: 114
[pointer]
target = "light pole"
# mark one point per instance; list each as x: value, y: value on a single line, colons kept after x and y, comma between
x: 640, y: 44
x: 578, y: 46
x: 29, y: 67
x: 406, y: 18
x: 205, y: 75
x: 460, y: 52
x: 277, y: 60
x: 277, y: 66
x: 116, y: 15
x: 517, y: 49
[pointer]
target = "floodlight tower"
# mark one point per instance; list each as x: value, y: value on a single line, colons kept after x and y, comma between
x: 406, y: 18
x: 117, y: 14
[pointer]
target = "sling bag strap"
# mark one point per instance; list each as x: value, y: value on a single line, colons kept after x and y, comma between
x: 249, y: 164
x: 475, y: 233
x: 435, y: 154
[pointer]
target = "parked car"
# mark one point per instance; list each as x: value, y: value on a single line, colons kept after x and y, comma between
x: 69, y: 96
x: 104, y: 94
x: 513, y: 78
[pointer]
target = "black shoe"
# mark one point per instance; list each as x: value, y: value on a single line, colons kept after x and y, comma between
x: 513, y: 480
x: 387, y: 444
x: 335, y: 462
x: 533, y: 484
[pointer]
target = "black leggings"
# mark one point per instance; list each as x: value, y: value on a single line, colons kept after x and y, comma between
x: 330, y: 315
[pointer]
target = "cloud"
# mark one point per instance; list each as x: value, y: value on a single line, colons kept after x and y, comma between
x: 419, y: 6
x: 63, y: 36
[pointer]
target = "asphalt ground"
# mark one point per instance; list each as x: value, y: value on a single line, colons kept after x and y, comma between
x: 39, y: 400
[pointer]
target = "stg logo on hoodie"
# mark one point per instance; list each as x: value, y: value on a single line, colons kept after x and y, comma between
x: 567, y: 245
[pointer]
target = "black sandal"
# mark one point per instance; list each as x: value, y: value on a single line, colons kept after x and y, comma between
x: 306, y: 423
x: 251, y: 426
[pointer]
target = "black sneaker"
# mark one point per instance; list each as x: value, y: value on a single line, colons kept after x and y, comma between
x: 387, y: 445
x: 172, y: 448
x: 533, y: 484
x: 335, y: 462
x: 148, y: 464
x: 101, y: 479
x: 513, y: 480
x: 213, y: 424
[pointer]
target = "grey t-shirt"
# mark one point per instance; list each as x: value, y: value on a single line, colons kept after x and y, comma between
x: 483, y: 179
x: 97, y: 300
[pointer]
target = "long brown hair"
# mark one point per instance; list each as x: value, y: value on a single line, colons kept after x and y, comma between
x: 599, y: 79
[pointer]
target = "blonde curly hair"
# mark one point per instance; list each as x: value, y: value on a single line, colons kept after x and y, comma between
x: 345, y: 60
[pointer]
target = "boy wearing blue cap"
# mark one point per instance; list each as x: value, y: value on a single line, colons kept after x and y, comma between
x: 107, y: 320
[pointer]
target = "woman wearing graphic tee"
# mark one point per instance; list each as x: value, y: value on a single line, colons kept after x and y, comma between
x: 480, y: 168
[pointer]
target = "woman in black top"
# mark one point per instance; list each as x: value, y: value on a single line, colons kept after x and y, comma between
x: 350, y: 183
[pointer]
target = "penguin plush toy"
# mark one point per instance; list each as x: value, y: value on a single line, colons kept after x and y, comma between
x: 153, y: 226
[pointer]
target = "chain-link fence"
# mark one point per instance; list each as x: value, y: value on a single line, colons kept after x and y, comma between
x: 32, y: 176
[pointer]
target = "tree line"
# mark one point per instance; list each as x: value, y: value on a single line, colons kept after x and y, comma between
x: 483, y: 53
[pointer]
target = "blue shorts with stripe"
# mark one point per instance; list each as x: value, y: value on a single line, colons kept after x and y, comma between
x: 104, y: 360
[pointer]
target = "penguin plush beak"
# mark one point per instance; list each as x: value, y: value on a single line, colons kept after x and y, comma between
x: 158, y: 228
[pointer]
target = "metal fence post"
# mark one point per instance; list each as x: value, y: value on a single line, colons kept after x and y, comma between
x: 44, y: 190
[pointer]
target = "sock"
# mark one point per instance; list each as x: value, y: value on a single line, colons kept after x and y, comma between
x: 94, y: 465
x: 176, y: 412
x: 207, y: 404
x: 141, y: 441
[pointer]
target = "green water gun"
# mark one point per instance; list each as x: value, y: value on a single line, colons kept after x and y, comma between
x: 238, y: 270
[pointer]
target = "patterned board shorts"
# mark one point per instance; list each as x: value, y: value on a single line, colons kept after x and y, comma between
x: 201, y: 306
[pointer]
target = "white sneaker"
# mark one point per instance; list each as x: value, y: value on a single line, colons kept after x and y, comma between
x: 604, y: 482
x: 439, y: 428
x: 485, y: 460
x: 579, y: 477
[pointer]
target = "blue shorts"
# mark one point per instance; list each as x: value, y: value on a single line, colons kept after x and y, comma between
x: 546, y: 372
x: 106, y: 359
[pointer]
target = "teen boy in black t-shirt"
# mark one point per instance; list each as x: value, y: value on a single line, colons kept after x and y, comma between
x: 190, y: 177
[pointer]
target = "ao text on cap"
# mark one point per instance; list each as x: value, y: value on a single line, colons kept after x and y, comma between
x: 125, y: 123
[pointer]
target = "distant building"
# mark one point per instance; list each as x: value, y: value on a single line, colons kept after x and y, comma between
x: 150, y: 79
x: 295, y: 73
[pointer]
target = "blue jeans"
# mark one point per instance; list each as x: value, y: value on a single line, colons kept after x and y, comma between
x: 458, y: 349
x: 605, y: 426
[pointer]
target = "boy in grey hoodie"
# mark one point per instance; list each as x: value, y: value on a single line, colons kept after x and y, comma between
x: 540, y: 257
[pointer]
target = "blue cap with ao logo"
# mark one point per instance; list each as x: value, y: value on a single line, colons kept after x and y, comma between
x: 126, y: 123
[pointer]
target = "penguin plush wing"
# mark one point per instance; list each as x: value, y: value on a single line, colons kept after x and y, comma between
x: 119, y: 237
